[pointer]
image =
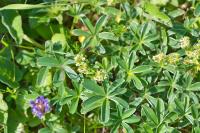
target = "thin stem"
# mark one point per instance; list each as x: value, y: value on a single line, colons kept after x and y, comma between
x: 43, y: 123
x: 84, y: 125
x: 33, y: 42
x: 24, y: 47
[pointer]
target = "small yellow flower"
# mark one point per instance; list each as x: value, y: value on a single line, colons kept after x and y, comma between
x: 100, y: 75
x: 185, y: 42
x: 81, y: 38
x: 79, y: 58
x: 118, y: 18
x: 159, y: 57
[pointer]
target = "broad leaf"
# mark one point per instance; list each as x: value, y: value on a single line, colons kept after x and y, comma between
x: 13, y: 22
x: 92, y: 86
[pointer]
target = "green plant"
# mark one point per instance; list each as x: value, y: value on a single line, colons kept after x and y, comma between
x: 99, y: 66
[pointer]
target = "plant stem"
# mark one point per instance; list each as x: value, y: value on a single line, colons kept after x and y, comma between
x: 33, y: 42
x: 84, y: 125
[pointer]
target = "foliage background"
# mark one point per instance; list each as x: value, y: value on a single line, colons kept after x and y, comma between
x: 105, y: 65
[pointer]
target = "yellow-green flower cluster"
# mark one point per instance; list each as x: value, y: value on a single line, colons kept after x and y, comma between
x: 192, y: 59
x: 184, y: 42
x: 100, y: 75
x: 172, y: 58
x: 192, y: 56
x: 80, y: 62
x: 159, y: 57
x: 79, y: 59
x: 83, y: 68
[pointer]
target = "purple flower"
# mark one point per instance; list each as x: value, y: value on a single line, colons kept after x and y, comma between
x: 40, y: 106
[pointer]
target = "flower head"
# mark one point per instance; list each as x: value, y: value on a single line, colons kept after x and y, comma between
x: 173, y: 58
x: 185, y: 42
x: 83, y: 68
x: 159, y: 57
x: 100, y: 75
x: 40, y: 106
x: 79, y: 58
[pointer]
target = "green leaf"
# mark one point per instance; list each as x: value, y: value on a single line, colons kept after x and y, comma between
x: 48, y: 61
x: 176, y: 13
x: 195, y: 112
x: 118, y: 91
x: 115, y: 127
x: 160, y: 109
x: 128, y: 113
x: 22, y: 7
x: 15, y: 120
x: 194, y: 87
x: 71, y: 73
x: 105, y: 111
x: 127, y: 127
x: 44, y: 130
x: 156, y: 13
x: 107, y: 36
x: 42, y: 76
x: 137, y: 83
x: 132, y: 59
x: 179, y: 106
x: 197, y: 10
x: 100, y: 23
x: 88, y: 24
x: 119, y: 101
x: 111, y: 11
x: 9, y: 73
x: 117, y: 83
x: 150, y: 114
x: 122, y: 63
x: 142, y: 69
x: 92, y: 86
x: 145, y: 28
x: 60, y: 39
x: 132, y: 119
x: 13, y: 22
x: 3, y: 104
x: 74, y: 105
x: 79, y: 32
x: 92, y: 103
